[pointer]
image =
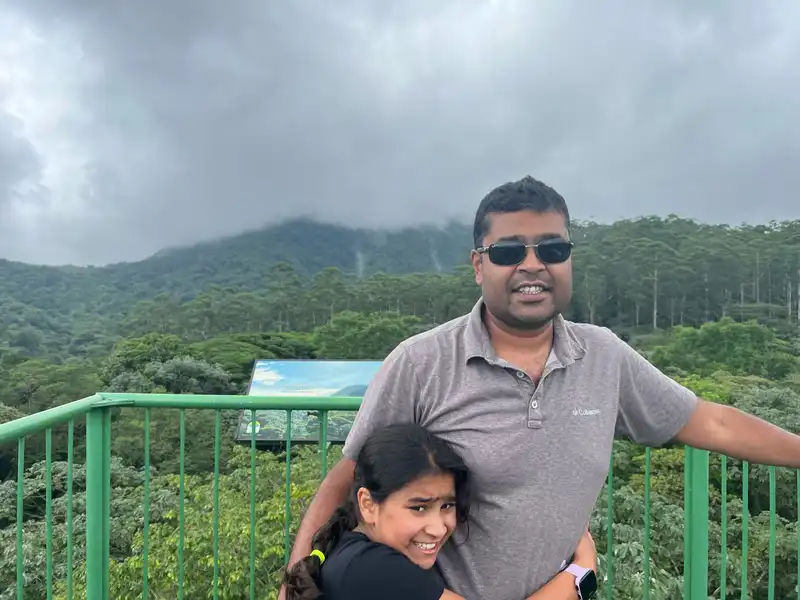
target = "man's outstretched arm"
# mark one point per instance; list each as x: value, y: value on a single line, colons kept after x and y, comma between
x: 331, y: 493
x: 730, y: 431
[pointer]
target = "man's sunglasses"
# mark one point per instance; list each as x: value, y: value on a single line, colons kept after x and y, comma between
x: 507, y: 254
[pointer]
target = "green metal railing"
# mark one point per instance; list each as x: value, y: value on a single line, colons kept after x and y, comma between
x: 97, y: 412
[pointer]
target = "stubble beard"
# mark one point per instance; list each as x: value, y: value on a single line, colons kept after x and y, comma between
x: 506, y: 319
x: 529, y: 323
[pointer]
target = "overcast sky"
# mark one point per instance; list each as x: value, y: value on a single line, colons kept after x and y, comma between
x: 129, y: 126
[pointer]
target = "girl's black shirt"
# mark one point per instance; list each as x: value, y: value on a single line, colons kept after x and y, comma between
x: 359, y: 568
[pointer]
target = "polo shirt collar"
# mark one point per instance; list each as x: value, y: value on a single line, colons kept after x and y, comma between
x: 567, y: 348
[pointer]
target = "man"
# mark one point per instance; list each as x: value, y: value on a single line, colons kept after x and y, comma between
x: 533, y: 402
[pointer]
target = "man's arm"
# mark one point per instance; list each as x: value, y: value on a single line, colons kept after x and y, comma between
x: 730, y: 431
x: 655, y: 409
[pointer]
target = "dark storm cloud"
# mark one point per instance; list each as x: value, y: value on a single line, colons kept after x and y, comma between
x: 204, y: 118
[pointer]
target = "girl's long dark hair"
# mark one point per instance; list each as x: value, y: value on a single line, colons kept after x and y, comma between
x: 391, y: 458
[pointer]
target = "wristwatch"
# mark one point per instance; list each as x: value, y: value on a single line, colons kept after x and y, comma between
x: 585, y: 581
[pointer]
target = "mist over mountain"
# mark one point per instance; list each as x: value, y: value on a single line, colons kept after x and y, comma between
x: 241, y: 262
x: 43, y: 306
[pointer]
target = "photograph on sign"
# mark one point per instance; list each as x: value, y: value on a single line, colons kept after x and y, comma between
x: 315, y: 378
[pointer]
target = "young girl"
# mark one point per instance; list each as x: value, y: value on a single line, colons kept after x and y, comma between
x: 410, y: 492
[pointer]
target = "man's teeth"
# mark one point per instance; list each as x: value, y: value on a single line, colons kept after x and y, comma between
x: 426, y: 546
x: 530, y: 289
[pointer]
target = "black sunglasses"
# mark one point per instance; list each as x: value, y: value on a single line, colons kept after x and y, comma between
x: 549, y: 252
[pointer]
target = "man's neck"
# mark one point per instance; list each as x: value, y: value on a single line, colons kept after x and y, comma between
x: 509, y: 340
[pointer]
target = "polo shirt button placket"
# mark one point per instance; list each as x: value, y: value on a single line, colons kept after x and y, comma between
x: 534, y: 416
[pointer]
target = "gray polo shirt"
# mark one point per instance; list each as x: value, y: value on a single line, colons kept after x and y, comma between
x: 539, y: 454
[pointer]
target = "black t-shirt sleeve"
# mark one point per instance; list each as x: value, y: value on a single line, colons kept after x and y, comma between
x: 381, y: 573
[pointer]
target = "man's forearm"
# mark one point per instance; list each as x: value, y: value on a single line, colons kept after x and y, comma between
x: 729, y: 431
x: 756, y: 440
x: 331, y: 493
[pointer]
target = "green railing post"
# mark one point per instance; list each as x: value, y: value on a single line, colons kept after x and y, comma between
x: 695, y: 524
x: 687, y: 536
x: 98, y: 502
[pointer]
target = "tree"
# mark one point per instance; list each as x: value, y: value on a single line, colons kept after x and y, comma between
x: 739, y: 348
x: 353, y: 335
x: 132, y: 355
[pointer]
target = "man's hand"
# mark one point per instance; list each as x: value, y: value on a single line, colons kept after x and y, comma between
x: 728, y: 430
x: 331, y: 493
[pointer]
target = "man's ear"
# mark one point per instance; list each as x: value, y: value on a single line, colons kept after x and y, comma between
x: 366, y: 506
x: 476, y: 258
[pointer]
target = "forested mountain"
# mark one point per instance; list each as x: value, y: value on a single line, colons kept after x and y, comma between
x: 241, y: 262
x: 636, y: 273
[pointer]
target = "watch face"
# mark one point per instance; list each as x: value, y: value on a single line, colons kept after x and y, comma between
x: 588, y: 585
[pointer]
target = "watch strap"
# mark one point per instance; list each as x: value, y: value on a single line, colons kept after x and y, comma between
x: 579, y: 573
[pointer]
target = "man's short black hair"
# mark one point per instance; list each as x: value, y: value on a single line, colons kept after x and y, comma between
x: 526, y: 194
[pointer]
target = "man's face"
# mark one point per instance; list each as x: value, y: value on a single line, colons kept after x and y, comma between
x: 524, y: 296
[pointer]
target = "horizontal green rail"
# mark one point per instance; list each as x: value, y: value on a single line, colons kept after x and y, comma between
x: 345, y: 403
x: 19, y: 428
x: 59, y: 415
x: 93, y: 573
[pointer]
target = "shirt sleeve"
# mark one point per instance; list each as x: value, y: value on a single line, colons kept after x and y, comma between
x: 382, y: 573
x: 653, y: 407
x: 391, y: 397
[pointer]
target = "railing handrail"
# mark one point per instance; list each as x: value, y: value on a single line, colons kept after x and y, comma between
x: 230, y: 402
x: 13, y: 430
x: 58, y: 415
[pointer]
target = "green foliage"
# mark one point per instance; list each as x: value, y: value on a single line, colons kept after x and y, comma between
x: 182, y: 375
x: 9, y: 413
x: 739, y: 348
x: 354, y: 335
x: 716, y: 388
x: 236, y: 353
x: 666, y: 544
x: 36, y: 385
x: 126, y: 519
x: 127, y: 573
x: 132, y: 355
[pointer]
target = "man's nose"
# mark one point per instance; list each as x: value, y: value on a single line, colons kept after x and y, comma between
x: 531, y: 262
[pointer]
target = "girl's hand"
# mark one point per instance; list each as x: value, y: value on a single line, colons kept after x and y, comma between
x: 586, y: 553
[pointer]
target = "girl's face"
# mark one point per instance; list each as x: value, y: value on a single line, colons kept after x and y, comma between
x: 415, y: 520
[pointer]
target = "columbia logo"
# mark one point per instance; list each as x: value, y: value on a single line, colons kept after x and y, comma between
x: 585, y: 412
